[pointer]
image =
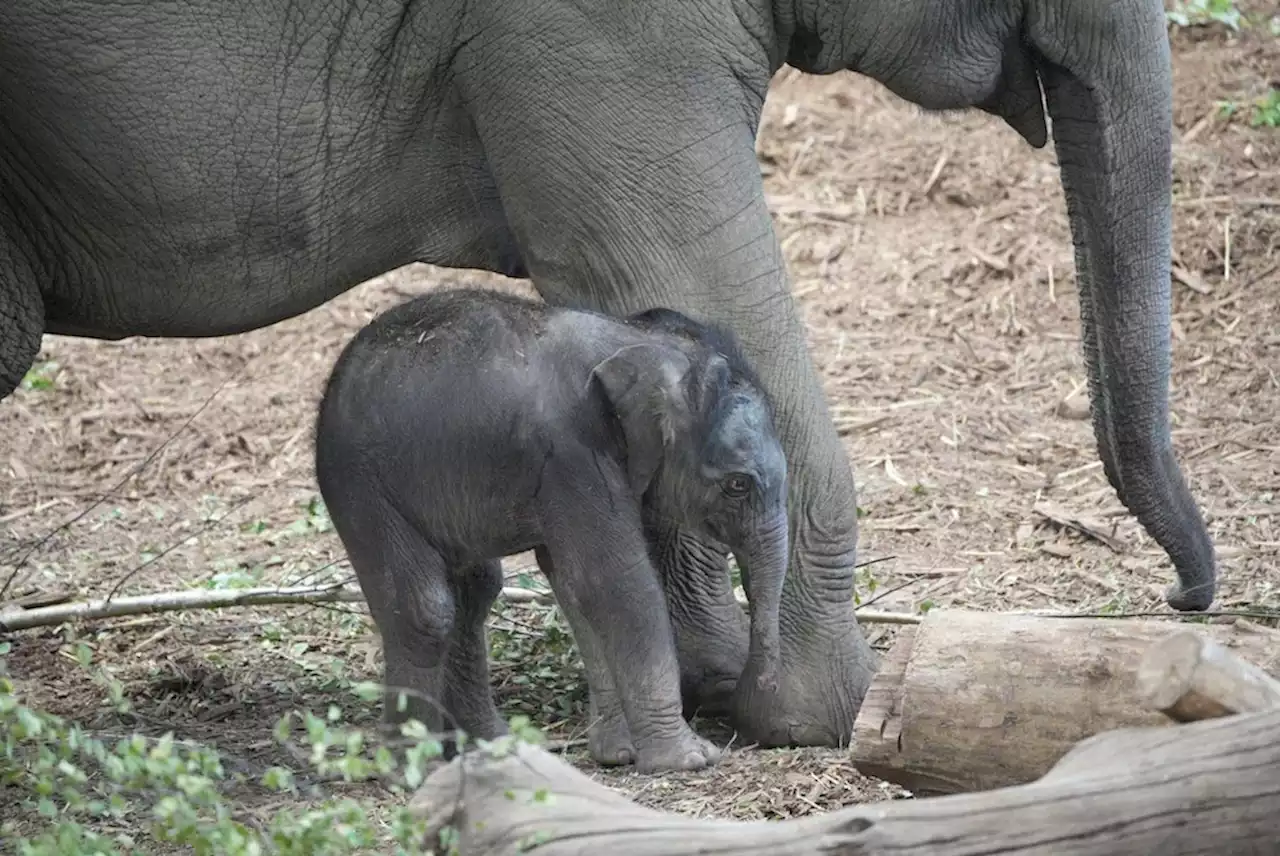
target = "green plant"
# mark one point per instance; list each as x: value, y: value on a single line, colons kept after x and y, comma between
x: 869, y: 582
x: 1266, y: 110
x: 1195, y: 13
x: 175, y: 792
x: 540, y: 670
x: 735, y: 572
x: 316, y: 520
x: 41, y: 376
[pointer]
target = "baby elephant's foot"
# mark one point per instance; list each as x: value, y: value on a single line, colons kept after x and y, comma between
x: 686, y: 752
x: 609, y: 742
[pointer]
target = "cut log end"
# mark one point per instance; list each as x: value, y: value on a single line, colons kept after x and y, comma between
x: 1189, y: 677
x: 981, y: 697
x: 968, y: 701
x: 1165, y: 673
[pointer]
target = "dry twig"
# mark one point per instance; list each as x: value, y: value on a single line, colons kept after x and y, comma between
x: 14, y: 618
x: 1086, y: 526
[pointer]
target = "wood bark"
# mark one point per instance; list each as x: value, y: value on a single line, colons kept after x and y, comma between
x: 968, y: 701
x: 1176, y: 790
x: 1189, y: 677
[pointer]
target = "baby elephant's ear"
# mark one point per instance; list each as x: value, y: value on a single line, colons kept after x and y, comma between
x: 645, y: 384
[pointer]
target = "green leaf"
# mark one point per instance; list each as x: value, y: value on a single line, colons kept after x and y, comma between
x: 278, y: 778
x: 284, y: 727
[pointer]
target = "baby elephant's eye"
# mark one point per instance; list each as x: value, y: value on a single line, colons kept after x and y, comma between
x: 737, y: 485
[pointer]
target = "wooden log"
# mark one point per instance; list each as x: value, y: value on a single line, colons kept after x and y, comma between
x: 1208, y: 787
x: 967, y: 701
x: 1189, y: 677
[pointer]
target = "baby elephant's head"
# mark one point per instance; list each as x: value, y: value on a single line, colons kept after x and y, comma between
x: 702, y: 450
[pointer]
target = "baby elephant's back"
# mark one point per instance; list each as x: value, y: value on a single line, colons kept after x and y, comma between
x: 429, y: 408
x: 444, y: 364
x: 438, y: 339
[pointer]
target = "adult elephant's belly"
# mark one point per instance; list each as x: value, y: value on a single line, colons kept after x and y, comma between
x: 228, y: 251
x: 196, y: 290
x: 220, y: 259
x: 205, y: 279
x: 231, y: 190
x: 218, y: 167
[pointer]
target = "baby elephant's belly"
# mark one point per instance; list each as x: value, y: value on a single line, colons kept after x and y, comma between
x: 470, y: 521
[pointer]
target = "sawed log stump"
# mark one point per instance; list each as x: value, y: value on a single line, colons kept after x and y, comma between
x: 1189, y: 677
x: 968, y: 701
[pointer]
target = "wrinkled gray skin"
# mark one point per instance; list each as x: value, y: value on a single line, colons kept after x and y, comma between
x: 466, y: 425
x: 201, y: 168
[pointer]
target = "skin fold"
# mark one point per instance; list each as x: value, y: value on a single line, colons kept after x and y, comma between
x: 565, y: 432
x: 202, y: 168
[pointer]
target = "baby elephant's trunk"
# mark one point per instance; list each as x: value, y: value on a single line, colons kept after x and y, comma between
x: 763, y: 561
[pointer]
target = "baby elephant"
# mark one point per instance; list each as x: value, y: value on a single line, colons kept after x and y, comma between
x: 466, y: 425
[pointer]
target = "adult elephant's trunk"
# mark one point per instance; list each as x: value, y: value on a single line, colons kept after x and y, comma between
x: 1108, y: 87
x: 763, y: 561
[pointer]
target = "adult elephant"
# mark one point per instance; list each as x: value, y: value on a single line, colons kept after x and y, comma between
x: 202, y: 168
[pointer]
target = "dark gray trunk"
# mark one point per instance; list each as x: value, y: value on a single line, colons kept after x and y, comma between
x: 1108, y: 87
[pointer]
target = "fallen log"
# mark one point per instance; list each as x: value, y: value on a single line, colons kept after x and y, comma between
x: 1207, y: 787
x: 967, y: 701
x: 1189, y: 677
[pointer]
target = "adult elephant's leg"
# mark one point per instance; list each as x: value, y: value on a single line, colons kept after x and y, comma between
x: 827, y: 664
x: 711, y: 629
x: 21, y: 319
x: 826, y: 661
x: 632, y: 182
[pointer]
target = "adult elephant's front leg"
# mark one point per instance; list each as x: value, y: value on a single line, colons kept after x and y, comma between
x: 712, y: 632
x: 633, y: 183
x: 827, y: 663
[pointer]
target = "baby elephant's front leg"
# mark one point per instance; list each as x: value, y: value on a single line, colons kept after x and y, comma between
x: 608, y: 737
x: 610, y: 593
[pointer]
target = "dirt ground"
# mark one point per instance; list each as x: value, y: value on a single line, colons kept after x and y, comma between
x: 931, y: 257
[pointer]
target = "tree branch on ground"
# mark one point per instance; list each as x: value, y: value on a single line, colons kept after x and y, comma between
x: 14, y: 618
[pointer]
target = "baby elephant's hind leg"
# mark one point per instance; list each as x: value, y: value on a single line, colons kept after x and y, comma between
x: 468, y: 694
x: 406, y: 584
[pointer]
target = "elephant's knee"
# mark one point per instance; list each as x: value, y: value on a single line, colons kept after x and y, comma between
x: 420, y: 627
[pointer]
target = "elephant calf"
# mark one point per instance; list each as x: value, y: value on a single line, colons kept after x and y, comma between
x: 467, y: 425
